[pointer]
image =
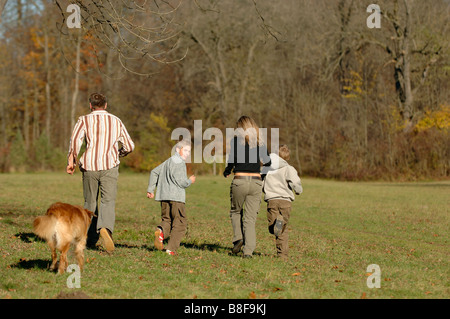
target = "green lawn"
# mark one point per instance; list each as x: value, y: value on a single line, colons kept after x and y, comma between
x: 336, y: 229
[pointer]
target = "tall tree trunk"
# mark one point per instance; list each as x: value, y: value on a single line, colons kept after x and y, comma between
x: 77, y: 81
x: 26, y: 122
x: 245, y: 77
x: 3, y: 125
x: 47, y: 87
x: 36, y: 133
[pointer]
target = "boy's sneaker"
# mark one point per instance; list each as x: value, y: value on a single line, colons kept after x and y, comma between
x: 107, y: 239
x: 171, y: 253
x: 159, y: 238
x: 278, y: 227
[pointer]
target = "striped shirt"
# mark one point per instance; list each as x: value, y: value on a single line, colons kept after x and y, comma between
x: 103, y: 133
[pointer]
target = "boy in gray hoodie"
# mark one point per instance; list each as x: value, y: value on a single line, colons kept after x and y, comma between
x: 279, y: 186
x: 171, y: 181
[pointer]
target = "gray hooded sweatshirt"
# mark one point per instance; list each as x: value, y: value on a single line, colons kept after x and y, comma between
x: 170, y: 180
x: 281, y: 181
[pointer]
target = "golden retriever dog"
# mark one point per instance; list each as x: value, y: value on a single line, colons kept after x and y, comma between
x: 62, y: 225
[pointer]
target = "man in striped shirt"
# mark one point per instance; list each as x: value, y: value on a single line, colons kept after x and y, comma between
x: 106, y: 139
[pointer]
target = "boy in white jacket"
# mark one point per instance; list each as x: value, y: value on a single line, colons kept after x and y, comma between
x: 280, y: 184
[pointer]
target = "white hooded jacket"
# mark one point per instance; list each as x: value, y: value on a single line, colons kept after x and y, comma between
x: 281, y: 181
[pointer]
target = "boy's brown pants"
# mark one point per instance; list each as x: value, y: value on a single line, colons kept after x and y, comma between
x: 173, y: 223
x: 281, y: 207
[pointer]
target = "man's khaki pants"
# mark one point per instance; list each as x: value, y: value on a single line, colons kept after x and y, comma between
x: 245, y: 196
x: 276, y: 207
x: 173, y: 223
x: 103, y: 183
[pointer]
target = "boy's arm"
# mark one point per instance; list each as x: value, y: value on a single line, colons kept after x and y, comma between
x: 179, y: 176
x: 153, y: 180
x: 293, y: 180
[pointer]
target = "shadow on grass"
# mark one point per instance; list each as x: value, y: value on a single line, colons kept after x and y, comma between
x: 131, y: 246
x: 32, y: 264
x: 28, y: 237
x: 205, y: 246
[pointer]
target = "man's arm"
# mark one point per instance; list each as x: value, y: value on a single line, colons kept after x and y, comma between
x: 127, y: 142
x: 76, y: 140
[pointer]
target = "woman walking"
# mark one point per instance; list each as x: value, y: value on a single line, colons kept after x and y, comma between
x: 247, y: 151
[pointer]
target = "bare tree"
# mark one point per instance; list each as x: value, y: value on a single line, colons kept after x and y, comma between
x: 148, y: 31
x: 2, y: 6
x: 400, y: 47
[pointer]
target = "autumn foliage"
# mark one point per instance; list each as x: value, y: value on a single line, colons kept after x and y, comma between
x: 337, y: 90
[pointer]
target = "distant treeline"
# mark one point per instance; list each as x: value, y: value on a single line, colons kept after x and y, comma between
x: 351, y: 102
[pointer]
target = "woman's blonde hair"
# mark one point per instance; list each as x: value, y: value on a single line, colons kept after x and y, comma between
x: 247, y: 127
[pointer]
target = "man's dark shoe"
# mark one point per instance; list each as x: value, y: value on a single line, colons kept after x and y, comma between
x: 237, y: 246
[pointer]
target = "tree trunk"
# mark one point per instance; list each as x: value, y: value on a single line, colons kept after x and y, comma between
x: 47, y: 87
x: 77, y: 80
x: 245, y: 77
x: 26, y: 122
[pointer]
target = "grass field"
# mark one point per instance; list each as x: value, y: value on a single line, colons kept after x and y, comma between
x: 336, y: 230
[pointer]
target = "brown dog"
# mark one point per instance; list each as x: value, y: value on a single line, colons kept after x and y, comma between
x: 62, y: 225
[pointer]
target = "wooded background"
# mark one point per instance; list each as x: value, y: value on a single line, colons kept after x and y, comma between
x: 351, y: 102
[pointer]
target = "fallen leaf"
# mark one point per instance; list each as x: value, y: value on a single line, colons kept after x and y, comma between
x: 363, y: 296
x: 296, y: 274
x: 252, y: 295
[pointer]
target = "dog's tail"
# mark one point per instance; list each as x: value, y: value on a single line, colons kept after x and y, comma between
x: 45, y: 226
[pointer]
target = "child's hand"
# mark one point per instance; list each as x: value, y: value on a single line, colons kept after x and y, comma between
x: 150, y: 195
x: 192, y: 178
